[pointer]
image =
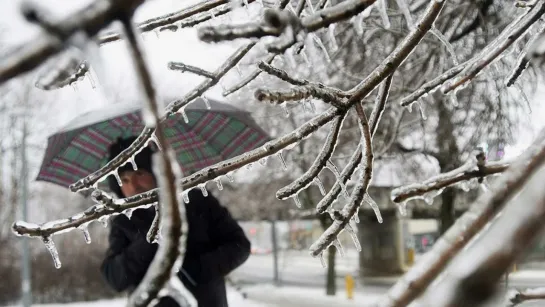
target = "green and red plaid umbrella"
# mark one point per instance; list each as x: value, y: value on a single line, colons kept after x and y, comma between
x: 211, y: 136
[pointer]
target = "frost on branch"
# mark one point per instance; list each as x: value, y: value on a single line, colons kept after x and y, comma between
x: 65, y: 71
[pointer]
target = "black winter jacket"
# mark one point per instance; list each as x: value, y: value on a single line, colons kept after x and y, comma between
x: 216, y: 245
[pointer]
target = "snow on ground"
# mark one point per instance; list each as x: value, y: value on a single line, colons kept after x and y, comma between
x: 260, y: 296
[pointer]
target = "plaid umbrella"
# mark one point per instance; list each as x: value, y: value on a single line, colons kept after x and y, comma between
x: 211, y: 136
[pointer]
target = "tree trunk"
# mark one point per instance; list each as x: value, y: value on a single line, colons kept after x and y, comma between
x: 331, y: 286
x: 446, y: 215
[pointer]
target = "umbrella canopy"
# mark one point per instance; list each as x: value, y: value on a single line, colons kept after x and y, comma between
x: 211, y: 136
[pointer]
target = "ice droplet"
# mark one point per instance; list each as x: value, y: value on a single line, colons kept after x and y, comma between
x: 339, y: 247
x: 203, y: 190
x: 218, y: 183
x: 422, y: 112
x: 333, y: 168
x: 322, y: 260
x: 185, y: 197
x: 284, y: 107
x: 318, y: 182
x: 86, y: 234
x: 354, y: 236
x: 357, y: 217
x: 50, y: 245
x: 116, y: 175
x: 128, y: 213
x: 91, y: 79
x: 206, y: 102
x: 297, y: 201
x: 373, y: 206
x: 284, y: 166
x: 263, y: 161
x: 184, y: 115
x: 133, y: 163
x: 332, y: 38
x: 403, y: 208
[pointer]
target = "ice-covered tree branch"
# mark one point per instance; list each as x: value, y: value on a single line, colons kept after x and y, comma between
x: 145, y: 136
x: 342, y: 219
x: 277, y: 23
x: 510, y: 35
x: 98, y: 212
x: 476, y: 167
x: 90, y: 20
x: 65, y: 72
x: 300, y: 93
x: 518, y: 297
x: 474, y: 275
x: 192, y: 69
x: 171, y: 18
x: 165, y: 171
x: 422, y: 274
x: 319, y: 163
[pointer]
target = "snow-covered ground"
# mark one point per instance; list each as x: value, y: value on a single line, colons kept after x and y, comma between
x: 260, y: 296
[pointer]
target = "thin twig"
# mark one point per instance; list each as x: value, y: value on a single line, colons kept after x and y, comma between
x: 242, y: 83
x: 486, y: 57
x: 422, y: 274
x: 319, y: 163
x: 192, y: 69
x: 340, y: 223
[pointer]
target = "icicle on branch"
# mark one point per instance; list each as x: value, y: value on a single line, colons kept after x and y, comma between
x: 90, y: 19
x: 169, y: 19
x: 277, y: 23
x: 319, y: 163
x: 488, y: 56
x: 189, y: 68
x: 165, y: 167
x: 209, y: 173
x: 518, y: 297
x: 476, y: 167
x: 423, y: 273
x: 473, y: 276
x: 341, y: 221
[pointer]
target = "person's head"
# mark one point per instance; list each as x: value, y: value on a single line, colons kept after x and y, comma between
x: 133, y: 182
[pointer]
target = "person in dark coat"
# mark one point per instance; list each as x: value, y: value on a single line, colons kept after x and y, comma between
x: 216, y: 244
